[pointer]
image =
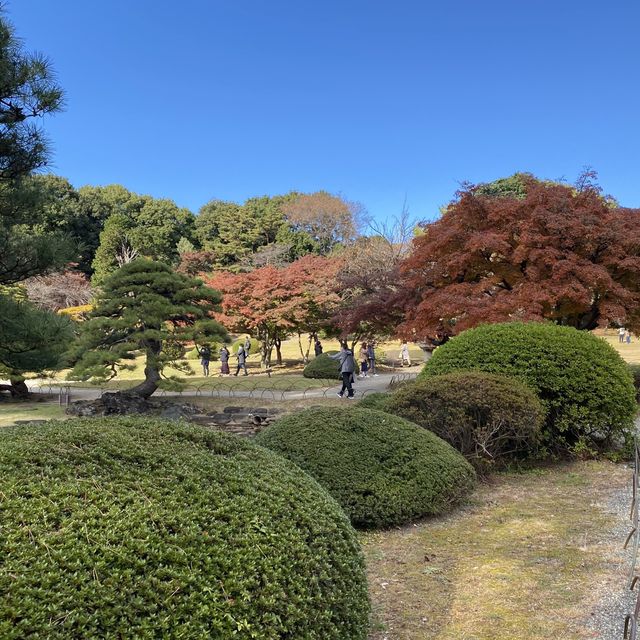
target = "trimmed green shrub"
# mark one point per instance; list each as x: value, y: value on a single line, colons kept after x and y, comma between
x: 583, y: 383
x: 382, y: 469
x: 255, y: 346
x: 377, y: 400
x: 138, y: 528
x: 324, y: 367
x: 635, y: 375
x: 489, y: 418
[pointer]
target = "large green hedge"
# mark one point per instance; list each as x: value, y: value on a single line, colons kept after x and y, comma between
x: 145, y: 529
x: 489, y: 418
x: 382, y: 469
x: 584, y: 384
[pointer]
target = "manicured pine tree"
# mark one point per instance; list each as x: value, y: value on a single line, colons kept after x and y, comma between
x: 145, y: 306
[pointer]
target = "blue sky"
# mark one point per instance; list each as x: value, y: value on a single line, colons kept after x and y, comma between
x: 373, y: 99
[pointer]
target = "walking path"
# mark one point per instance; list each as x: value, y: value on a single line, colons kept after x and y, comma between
x: 224, y: 388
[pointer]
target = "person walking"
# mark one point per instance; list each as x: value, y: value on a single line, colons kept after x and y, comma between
x: 242, y: 361
x: 317, y: 347
x: 404, y: 354
x: 224, y: 361
x: 363, y: 358
x: 205, y: 357
x: 627, y: 336
x: 347, y: 364
x: 621, y: 332
x: 371, y: 356
x: 247, y: 346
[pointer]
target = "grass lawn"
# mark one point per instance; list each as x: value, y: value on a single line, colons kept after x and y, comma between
x: 33, y: 410
x: 522, y: 561
x: 281, y: 377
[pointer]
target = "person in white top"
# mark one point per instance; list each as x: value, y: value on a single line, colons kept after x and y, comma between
x: 621, y: 332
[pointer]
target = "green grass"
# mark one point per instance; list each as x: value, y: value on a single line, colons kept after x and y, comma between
x: 10, y: 412
x: 526, y: 559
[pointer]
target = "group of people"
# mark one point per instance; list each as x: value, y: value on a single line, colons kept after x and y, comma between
x: 624, y: 335
x: 242, y: 354
x: 347, y: 362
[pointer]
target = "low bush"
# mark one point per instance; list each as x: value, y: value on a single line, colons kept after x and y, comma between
x: 582, y: 381
x: 255, y: 346
x: 490, y: 419
x: 382, y: 469
x: 136, y: 528
x: 324, y: 367
x: 635, y: 375
x: 377, y: 400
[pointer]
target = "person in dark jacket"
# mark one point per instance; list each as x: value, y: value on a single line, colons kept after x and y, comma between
x: 205, y: 357
x: 242, y: 361
x: 347, y: 365
x: 317, y: 347
x: 224, y: 361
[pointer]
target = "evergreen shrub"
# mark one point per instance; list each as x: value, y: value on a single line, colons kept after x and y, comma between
x: 323, y: 367
x: 138, y: 528
x: 489, y: 418
x: 377, y: 400
x: 255, y: 346
x: 583, y: 383
x: 382, y: 469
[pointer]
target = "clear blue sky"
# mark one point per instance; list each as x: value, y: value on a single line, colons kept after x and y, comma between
x: 373, y: 99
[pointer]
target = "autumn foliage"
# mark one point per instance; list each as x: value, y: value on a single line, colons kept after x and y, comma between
x: 272, y: 303
x: 559, y: 253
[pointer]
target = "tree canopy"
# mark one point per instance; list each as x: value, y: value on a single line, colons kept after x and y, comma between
x: 556, y: 253
x: 144, y: 305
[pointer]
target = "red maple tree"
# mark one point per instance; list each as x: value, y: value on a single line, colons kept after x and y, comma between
x: 559, y: 253
x: 272, y: 303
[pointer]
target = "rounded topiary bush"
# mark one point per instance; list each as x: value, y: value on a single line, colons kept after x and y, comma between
x: 255, y: 346
x: 584, y: 384
x: 323, y: 367
x: 382, y: 469
x: 489, y: 418
x: 146, y: 529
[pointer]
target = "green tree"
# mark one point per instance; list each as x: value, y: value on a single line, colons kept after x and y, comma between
x: 145, y: 306
x: 31, y: 339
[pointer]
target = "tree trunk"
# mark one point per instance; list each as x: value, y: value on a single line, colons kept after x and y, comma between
x: 151, y: 372
x: 300, y: 347
x: 312, y: 337
x: 278, y: 344
x: 17, y: 389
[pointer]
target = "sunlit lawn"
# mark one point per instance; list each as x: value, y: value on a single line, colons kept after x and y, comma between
x: 11, y: 411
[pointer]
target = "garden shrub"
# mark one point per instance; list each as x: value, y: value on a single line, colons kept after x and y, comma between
x: 138, y: 528
x: 382, y: 469
x: 324, y: 367
x: 377, y: 400
x: 582, y: 381
x: 489, y: 418
x: 635, y: 375
x: 255, y: 346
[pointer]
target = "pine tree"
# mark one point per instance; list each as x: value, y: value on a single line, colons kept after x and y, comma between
x: 145, y: 306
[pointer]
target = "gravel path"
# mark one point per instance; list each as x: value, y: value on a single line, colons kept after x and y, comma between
x: 613, y: 597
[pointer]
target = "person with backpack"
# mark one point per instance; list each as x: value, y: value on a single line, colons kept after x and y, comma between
x: 205, y: 357
x: 347, y: 364
x: 242, y: 361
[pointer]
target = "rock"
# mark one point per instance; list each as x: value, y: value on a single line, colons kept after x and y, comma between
x: 175, y: 412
